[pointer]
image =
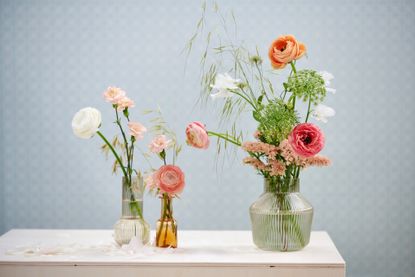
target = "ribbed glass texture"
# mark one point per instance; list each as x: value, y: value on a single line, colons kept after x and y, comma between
x: 131, y: 223
x: 281, y: 218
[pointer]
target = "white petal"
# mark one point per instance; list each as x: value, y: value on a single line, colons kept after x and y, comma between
x: 321, y: 112
x: 327, y: 77
x: 220, y: 93
x: 332, y: 90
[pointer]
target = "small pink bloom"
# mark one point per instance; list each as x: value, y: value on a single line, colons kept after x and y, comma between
x: 197, y: 135
x: 169, y: 179
x: 150, y: 183
x: 125, y: 103
x: 114, y: 94
x: 159, y: 143
x: 257, y: 134
x: 137, y: 129
x: 306, y: 139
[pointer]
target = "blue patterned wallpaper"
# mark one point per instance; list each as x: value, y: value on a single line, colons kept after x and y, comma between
x: 59, y: 56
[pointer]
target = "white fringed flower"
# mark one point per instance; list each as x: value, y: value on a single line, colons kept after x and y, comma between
x: 327, y: 77
x: 322, y: 112
x: 223, y: 84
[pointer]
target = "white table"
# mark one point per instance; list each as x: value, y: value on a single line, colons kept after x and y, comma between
x: 200, y: 253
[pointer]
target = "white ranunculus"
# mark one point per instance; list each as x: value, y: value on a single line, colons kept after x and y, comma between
x: 322, y: 112
x: 327, y: 77
x: 223, y: 84
x: 86, y: 122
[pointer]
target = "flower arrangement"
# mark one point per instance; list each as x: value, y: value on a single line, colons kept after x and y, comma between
x: 285, y: 142
x: 86, y: 124
x: 166, y: 182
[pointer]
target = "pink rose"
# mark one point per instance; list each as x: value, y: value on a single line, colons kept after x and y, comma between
x: 125, y: 103
x: 169, y: 179
x: 113, y: 95
x: 159, y: 143
x: 197, y: 135
x: 306, y: 139
x: 137, y: 129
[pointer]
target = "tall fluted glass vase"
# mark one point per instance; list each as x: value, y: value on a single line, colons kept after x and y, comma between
x: 132, y: 223
x: 281, y: 218
x: 166, y: 233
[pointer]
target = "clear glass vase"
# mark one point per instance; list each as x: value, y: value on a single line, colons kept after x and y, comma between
x: 132, y: 223
x: 281, y: 218
x: 166, y: 233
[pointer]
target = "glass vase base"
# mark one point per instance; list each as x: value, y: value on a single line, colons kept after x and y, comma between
x: 126, y: 229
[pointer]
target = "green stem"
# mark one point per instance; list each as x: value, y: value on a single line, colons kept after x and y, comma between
x: 225, y: 137
x: 118, y: 122
x: 245, y: 98
x: 261, y: 81
x: 294, y: 70
x: 308, y: 110
x: 113, y: 152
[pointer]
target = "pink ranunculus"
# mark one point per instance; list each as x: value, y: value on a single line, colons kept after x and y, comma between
x: 125, y: 103
x: 197, y: 135
x: 137, y: 129
x: 114, y: 94
x: 306, y: 139
x: 169, y: 179
x: 159, y: 143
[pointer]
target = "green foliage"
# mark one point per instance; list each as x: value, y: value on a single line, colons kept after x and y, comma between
x: 307, y: 85
x: 276, y: 121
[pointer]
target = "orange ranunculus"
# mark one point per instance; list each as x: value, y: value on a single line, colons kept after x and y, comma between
x: 284, y: 50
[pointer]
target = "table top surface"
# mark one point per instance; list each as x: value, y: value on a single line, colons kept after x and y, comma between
x: 97, y: 247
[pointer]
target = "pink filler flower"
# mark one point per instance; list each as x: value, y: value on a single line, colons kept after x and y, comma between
x: 306, y: 139
x: 159, y: 143
x: 169, y: 179
x: 114, y: 94
x: 137, y: 129
x: 125, y: 103
x: 197, y: 135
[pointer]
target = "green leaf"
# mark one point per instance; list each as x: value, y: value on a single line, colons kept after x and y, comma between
x: 260, y: 98
x: 126, y: 113
x: 256, y: 116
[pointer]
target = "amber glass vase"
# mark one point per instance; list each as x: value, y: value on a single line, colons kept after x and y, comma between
x: 166, y: 235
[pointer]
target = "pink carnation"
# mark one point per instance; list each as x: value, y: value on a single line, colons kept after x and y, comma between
x: 169, y: 179
x: 159, y: 143
x: 137, y: 129
x: 197, y: 136
x: 114, y: 94
x: 125, y: 103
x: 306, y: 139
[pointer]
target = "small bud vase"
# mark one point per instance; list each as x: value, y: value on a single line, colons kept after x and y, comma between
x: 281, y: 218
x: 132, y: 223
x: 166, y: 233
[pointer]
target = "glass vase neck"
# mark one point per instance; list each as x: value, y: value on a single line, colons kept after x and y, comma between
x: 282, y: 185
x: 166, y: 207
x: 132, y: 194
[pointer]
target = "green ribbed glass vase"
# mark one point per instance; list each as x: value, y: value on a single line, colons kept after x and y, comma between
x: 131, y: 223
x: 281, y: 218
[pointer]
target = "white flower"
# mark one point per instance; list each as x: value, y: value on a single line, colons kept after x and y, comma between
x: 321, y: 112
x: 223, y: 84
x: 327, y: 77
x: 86, y: 122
